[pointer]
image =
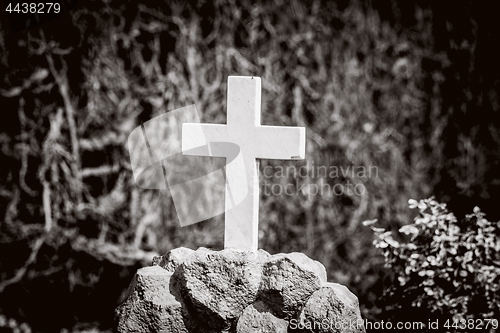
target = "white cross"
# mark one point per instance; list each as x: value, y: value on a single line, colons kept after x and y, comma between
x: 255, y: 142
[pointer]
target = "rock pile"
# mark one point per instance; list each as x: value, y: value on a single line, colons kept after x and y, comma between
x: 233, y: 291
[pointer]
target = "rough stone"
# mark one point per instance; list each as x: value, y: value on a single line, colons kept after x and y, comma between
x: 288, y: 280
x: 336, y: 304
x: 207, y: 291
x: 259, y: 318
x: 219, y: 285
x: 150, y: 306
x: 173, y: 259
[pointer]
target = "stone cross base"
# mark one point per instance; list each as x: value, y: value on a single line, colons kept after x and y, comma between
x: 235, y: 291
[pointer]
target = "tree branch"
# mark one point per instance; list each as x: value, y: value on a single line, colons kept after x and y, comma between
x: 62, y: 82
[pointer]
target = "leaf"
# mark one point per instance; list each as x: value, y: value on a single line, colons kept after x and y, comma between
x: 409, y: 229
x: 412, y: 203
x: 382, y: 245
x: 369, y: 222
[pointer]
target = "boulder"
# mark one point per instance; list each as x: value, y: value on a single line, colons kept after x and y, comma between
x: 334, y: 309
x: 287, y: 282
x: 150, y: 306
x: 173, y: 259
x: 259, y: 318
x: 219, y: 285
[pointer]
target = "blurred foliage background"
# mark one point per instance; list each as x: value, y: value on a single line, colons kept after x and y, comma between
x: 408, y: 87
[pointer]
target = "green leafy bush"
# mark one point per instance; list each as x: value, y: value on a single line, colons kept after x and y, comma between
x: 442, y: 268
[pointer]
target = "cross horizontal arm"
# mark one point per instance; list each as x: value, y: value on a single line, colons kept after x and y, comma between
x: 281, y: 143
x: 199, y: 135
